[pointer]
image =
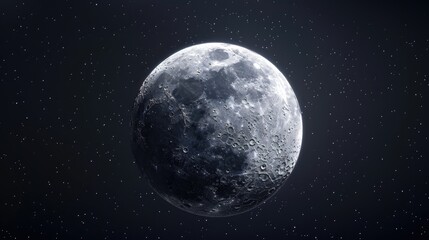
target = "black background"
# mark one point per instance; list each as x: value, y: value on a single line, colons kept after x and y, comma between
x: 70, y: 70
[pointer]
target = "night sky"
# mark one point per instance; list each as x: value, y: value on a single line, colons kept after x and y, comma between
x: 70, y: 71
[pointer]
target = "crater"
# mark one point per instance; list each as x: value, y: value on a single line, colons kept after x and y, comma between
x: 218, y: 55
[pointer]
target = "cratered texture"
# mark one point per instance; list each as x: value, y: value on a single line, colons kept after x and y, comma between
x: 217, y: 129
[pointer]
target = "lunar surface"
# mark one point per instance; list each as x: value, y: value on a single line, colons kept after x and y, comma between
x: 217, y: 129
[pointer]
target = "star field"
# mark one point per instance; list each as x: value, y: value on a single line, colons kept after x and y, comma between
x: 70, y: 71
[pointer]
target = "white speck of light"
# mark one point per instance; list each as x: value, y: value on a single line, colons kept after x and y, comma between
x: 256, y: 66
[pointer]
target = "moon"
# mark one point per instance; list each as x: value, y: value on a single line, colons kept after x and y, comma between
x: 217, y: 129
